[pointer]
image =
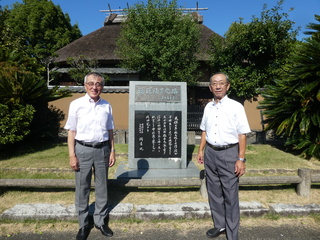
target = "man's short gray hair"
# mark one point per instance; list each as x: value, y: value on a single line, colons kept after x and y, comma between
x: 227, y: 77
x: 95, y: 74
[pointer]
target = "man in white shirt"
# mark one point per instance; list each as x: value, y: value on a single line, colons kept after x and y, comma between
x: 91, y: 148
x: 222, y: 149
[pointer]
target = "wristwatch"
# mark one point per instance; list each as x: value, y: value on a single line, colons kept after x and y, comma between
x: 242, y: 159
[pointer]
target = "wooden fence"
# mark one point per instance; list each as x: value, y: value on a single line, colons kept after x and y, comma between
x: 303, y: 180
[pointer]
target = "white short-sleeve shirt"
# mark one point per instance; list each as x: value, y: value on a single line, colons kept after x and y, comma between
x: 91, y: 120
x: 224, y: 121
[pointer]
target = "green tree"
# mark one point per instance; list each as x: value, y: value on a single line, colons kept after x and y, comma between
x: 160, y: 42
x: 253, y: 53
x: 292, y: 103
x: 23, y: 91
x: 30, y: 33
x: 27, y: 94
x: 41, y: 28
x: 15, y: 121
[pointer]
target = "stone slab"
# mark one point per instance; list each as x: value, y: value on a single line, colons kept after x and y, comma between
x: 294, y: 209
x: 172, y: 211
x: 43, y: 211
x: 152, y: 211
x: 252, y: 209
x: 124, y: 172
x: 40, y: 211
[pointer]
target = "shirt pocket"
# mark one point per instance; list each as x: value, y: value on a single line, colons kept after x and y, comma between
x: 103, y: 117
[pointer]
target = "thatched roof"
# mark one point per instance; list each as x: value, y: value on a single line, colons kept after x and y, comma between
x: 206, y: 33
x: 101, y: 45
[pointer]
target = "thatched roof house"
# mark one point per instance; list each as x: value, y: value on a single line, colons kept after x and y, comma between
x: 100, y: 46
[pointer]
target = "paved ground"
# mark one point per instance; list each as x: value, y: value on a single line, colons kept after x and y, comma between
x: 247, y: 233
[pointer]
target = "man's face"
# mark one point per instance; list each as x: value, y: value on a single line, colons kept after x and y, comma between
x: 219, y: 86
x: 94, y: 86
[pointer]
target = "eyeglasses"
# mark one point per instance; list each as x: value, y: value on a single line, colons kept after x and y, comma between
x: 222, y: 84
x: 97, y: 84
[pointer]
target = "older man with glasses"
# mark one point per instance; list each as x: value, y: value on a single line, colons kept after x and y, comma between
x: 91, y: 149
x: 222, y: 150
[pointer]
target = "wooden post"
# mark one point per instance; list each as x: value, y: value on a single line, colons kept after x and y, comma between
x: 303, y: 188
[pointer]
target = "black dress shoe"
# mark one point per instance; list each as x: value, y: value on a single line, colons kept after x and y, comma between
x: 215, y: 232
x: 105, y: 230
x: 83, y: 233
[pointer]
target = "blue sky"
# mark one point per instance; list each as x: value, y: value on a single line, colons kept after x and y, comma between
x: 218, y: 17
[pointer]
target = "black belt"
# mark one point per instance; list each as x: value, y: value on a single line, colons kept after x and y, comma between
x: 222, y: 147
x: 93, y: 144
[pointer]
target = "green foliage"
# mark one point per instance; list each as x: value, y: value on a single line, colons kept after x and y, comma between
x: 291, y: 104
x: 253, y: 54
x: 4, y: 13
x: 15, y: 122
x: 30, y: 33
x: 24, y: 87
x: 40, y: 27
x: 160, y: 42
x: 21, y: 87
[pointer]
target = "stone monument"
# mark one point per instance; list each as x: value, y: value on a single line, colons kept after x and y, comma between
x: 157, y: 132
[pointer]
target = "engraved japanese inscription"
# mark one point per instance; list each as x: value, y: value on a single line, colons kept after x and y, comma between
x: 157, y: 93
x: 157, y: 134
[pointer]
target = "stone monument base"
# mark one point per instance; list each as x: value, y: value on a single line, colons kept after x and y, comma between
x: 124, y: 172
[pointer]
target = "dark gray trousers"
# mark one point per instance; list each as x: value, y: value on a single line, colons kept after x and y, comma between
x: 223, y: 189
x: 94, y: 160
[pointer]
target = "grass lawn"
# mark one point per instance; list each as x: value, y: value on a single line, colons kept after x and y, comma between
x: 25, y: 161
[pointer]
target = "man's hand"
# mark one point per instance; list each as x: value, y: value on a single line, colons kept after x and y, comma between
x: 200, y: 157
x: 240, y: 168
x: 112, y: 159
x: 74, y: 163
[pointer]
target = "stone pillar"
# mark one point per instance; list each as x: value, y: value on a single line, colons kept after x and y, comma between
x: 120, y: 137
x: 191, y: 138
x: 303, y: 188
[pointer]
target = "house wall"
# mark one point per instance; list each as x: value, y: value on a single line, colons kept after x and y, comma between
x: 118, y: 101
x: 253, y: 114
x: 120, y: 108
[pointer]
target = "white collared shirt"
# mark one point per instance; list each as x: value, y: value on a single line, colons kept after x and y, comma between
x: 91, y: 120
x: 223, y: 121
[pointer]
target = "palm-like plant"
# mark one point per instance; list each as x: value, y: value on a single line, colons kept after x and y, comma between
x: 292, y: 104
x: 21, y: 88
x: 20, y: 84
